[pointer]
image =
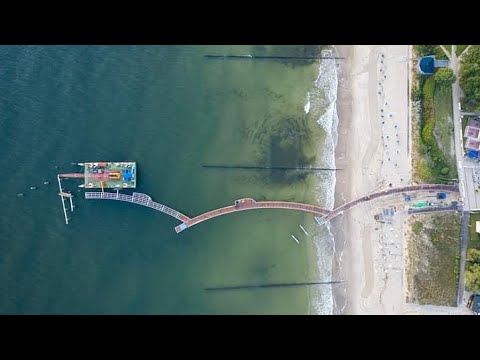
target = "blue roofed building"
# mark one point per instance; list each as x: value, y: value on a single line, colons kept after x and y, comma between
x: 428, y: 64
x: 127, y: 174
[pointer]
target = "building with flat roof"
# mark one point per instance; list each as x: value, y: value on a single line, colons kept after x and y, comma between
x: 472, y: 144
x: 473, y: 122
x: 472, y: 133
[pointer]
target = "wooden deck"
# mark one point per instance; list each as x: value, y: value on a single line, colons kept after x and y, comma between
x: 72, y: 176
x: 425, y: 187
x: 250, y: 204
x: 137, y: 198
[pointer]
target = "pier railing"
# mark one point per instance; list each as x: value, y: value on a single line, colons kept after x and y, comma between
x: 139, y: 199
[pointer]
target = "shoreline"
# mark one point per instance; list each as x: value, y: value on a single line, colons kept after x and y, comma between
x: 373, y: 112
x: 339, y: 227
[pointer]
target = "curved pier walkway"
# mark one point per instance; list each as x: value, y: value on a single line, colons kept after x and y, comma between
x: 251, y: 204
x: 248, y: 204
x: 137, y: 198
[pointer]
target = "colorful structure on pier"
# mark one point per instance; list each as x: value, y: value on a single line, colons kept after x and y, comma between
x: 110, y: 175
x: 100, y: 175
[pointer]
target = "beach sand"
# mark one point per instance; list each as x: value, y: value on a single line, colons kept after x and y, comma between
x: 373, y: 150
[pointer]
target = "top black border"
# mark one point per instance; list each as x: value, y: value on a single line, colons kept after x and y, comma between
x: 244, y: 23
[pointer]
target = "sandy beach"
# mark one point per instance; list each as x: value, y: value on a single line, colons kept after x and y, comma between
x: 374, y: 152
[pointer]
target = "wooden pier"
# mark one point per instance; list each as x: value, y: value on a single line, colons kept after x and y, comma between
x: 251, y: 204
x: 64, y: 195
x: 321, y: 215
x: 139, y: 199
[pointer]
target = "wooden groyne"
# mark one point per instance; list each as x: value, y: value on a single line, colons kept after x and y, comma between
x: 249, y: 167
x: 262, y: 286
x: 265, y: 57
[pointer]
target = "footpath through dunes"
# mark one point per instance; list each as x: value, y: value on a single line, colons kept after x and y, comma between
x: 424, y: 187
x: 251, y: 204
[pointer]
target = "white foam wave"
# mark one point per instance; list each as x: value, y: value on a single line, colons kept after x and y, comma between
x: 323, y: 107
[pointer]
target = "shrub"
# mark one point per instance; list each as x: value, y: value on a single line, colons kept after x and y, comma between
x: 444, y: 77
x: 445, y: 171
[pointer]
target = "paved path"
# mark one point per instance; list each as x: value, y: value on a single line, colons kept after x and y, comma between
x: 445, y: 51
x: 457, y: 123
x: 455, y: 66
x: 464, y: 51
x: 425, y: 187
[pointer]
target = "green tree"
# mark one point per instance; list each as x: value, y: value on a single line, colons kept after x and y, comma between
x: 445, y: 170
x: 472, y: 278
x: 470, y: 76
x: 473, y: 255
x: 423, y: 50
x: 472, y: 270
x: 444, y: 77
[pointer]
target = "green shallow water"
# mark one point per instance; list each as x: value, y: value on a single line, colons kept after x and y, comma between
x: 170, y: 110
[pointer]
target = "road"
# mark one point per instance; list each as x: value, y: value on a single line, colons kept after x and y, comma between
x: 457, y: 121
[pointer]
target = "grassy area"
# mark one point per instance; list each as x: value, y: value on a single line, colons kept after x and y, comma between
x: 443, y: 129
x: 433, y: 259
x: 460, y: 49
x: 474, y: 239
x: 422, y: 50
x: 433, y: 160
x: 470, y: 79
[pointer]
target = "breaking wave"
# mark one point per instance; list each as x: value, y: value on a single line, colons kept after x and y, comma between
x: 321, y: 105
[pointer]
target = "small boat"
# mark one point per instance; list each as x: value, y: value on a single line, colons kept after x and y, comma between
x: 294, y: 238
x: 81, y: 185
x: 33, y: 187
x: 46, y: 182
x: 81, y: 164
x: 20, y: 194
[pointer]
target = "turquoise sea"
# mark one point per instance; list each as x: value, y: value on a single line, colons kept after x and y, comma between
x: 171, y: 110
